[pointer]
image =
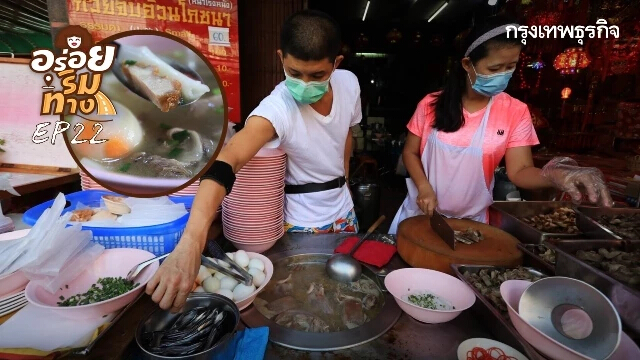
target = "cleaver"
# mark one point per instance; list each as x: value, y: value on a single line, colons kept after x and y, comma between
x: 440, y: 226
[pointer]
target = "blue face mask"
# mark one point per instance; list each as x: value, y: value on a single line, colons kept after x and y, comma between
x: 491, y: 85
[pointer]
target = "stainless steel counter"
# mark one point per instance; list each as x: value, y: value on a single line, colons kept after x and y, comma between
x: 408, y: 339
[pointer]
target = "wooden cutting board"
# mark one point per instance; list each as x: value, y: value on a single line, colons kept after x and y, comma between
x: 421, y: 247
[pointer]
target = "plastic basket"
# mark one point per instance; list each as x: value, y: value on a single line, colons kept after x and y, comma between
x: 157, y: 239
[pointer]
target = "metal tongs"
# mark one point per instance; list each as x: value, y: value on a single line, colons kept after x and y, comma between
x: 240, y: 274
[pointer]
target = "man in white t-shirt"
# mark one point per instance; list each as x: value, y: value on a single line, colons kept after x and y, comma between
x: 311, y: 114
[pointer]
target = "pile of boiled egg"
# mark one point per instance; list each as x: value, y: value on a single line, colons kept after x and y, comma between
x: 211, y: 281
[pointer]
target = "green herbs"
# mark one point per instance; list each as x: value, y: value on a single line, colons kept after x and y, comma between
x: 430, y: 301
x: 176, y: 141
x: 174, y: 153
x: 106, y: 288
x: 164, y: 126
x: 180, y: 136
x: 1, y: 143
x: 125, y: 167
x: 130, y: 62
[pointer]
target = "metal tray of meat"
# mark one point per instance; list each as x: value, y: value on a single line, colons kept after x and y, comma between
x: 538, y: 259
x: 589, y: 222
x: 507, y: 215
x: 85, y: 350
x: 625, y: 297
x: 499, y: 324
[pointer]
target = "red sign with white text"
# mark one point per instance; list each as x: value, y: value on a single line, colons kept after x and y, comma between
x: 210, y: 26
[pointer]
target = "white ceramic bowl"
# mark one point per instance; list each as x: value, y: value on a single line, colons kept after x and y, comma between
x: 511, y: 292
x: 414, y: 280
x: 486, y: 344
x: 111, y: 263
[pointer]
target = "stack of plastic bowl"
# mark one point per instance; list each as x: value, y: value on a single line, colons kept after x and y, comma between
x: 253, y: 213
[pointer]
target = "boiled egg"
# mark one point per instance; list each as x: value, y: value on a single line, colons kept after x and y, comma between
x: 123, y: 134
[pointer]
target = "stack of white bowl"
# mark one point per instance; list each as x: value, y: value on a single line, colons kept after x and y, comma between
x: 253, y: 213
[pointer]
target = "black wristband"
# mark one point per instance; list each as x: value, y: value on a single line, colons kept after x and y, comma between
x: 222, y: 173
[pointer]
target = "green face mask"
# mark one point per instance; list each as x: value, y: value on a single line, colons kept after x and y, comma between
x: 306, y: 93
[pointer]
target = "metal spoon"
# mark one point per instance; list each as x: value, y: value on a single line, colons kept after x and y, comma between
x: 345, y: 268
x: 116, y: 69
x: 135, y: 271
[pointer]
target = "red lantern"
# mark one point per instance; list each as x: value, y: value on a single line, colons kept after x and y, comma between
x: 565, y: 93
x: 394, y: 36
x: 571, y: 60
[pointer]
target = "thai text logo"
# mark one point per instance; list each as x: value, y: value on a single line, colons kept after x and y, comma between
x: 601, y: 30
x: 80, y: 68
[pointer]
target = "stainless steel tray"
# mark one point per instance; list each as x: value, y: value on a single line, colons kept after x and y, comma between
x: 502, y: 329
x: 536, y: 261
x: 587, y: 223
x: 506, y: 216
x: 85, y: 350
x: 624, y: 298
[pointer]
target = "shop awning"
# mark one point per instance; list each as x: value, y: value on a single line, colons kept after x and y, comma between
x: 24, y: 25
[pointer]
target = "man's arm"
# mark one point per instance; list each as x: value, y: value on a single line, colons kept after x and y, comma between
x: 347, y: 152
x: 237, y: 152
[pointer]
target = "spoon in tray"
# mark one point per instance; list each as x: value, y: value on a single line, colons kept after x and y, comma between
x: 116, y: 69
x: 343, y: 267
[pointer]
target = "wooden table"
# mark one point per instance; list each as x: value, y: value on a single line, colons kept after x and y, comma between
x: 25, y: 183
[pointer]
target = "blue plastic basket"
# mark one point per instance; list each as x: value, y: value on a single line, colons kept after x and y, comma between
x: 157, y: 239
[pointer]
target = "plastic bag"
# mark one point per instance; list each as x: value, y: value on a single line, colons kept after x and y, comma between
x: 51, y: 253
x: 567, y: 176
x: 5, y: 184
x: 72, y: 269
x: 15, y: 255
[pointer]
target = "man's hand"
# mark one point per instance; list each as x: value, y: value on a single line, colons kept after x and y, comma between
x: 173, y: 281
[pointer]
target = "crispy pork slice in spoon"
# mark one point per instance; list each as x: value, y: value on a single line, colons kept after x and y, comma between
x: 159, y: 80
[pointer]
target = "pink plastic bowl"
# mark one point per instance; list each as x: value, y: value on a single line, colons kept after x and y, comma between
x: 111, y: 263
x: 511, y: 291
x: 626, y: 350
x: 268, y: 271
x: 12, y: 282
x: 414, y: 280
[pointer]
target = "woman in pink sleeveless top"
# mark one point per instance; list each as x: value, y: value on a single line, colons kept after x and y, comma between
x: 458, y: 136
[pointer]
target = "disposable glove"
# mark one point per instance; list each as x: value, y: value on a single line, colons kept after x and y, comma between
x: 567, y: 176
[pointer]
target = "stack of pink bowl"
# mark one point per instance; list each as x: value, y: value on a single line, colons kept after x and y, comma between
x: 253, y: 213
x: 89, y: 184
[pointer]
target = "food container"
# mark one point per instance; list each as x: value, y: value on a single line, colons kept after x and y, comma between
x: 268, y: 271
x: 470, y: 344
x: 413, y: 280
x: 625, y: 299
x: 511, y: 292
x: 157, y: 239
x: 160, y: 319
x: 499, y: 325
x: 115, y: 204
x: 536, y: 260
x: 111, y: 263
x: 506, y: 215
x: 586, y: 217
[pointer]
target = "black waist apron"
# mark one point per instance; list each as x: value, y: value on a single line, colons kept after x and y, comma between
x: 315, y: 187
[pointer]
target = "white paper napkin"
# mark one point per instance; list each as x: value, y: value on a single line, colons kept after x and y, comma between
x: 40, y: 329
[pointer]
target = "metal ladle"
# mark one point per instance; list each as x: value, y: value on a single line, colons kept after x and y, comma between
x: 343, y: 267
x: 116, y: 69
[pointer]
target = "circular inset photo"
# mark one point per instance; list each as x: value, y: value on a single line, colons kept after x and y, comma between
x: 160, y: 121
